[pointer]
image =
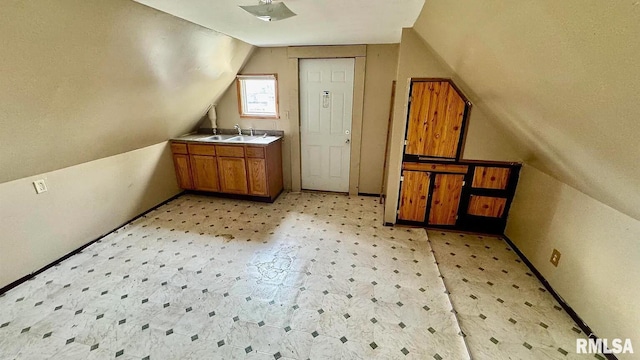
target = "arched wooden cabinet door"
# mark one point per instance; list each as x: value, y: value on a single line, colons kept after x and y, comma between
x: 435, y: 126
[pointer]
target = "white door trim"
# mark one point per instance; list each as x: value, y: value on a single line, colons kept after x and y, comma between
x: 327, y: 52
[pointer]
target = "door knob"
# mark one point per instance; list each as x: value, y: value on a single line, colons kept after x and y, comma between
x: 347, y: 141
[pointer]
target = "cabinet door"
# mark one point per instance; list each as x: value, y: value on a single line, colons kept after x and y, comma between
x: 183, y: 171
x: 435, y: 120
x: 257, y: 176
x: 413, y: 196
x: 233, y: 175
x: 445, y: 199
x: 205, y: 173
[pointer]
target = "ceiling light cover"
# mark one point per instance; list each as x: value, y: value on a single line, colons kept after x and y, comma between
x: 269, y: 11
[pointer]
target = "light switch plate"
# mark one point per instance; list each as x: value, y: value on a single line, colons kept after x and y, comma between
x: 40, y: 186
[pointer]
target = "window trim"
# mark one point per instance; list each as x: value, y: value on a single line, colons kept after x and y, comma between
x: 241, y: 111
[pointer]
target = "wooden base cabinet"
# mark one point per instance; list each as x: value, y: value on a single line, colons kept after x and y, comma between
x: 233, y: 175
x: 447, y: 190
x: 205, y: 173
x: 255, y: 171
x: 414, y: 195
x: 257, y: 176
x: 466, y: 195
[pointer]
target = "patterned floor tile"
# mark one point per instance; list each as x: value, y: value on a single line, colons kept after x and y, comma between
x: 502, y: 307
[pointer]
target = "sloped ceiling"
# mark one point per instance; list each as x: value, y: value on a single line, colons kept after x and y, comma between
x: 87, y: 79
x: 325, y: 22
x: 561, y: 77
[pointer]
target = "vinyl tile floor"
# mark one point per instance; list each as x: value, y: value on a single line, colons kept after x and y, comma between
x: 502, y: 308
x: 311, y: 276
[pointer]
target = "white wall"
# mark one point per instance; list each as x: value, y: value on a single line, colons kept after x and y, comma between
x: 600, y: 249
x: 83, y: 202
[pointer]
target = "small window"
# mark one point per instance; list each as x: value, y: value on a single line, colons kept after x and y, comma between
x: 258, y: 96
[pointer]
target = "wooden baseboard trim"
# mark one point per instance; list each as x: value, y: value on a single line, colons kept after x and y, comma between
x: 32, y: 275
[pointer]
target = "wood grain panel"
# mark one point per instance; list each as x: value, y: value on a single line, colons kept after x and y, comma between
x: 486, y: 206
x: 445, y: 199
x: 413, y: 197
x: 424, y: 99
x: 205, y: 172
x: 183, y: 171
x: 491, y: 177
x: 435, y: 120
x: 202, y: 149
x: 179, y: 148
x: 448, y: 128
x: 257, y: 177
x: 255, y: 152
x: 230, y: 150
x: 274, y: 168
x: 458, y: 169
x: 233, y: 175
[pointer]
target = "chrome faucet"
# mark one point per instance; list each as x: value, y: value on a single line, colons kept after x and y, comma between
x: 251, y: 131
x: 237, y: 127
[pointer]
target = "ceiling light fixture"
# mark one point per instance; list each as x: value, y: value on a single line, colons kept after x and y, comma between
x: 267, y: 10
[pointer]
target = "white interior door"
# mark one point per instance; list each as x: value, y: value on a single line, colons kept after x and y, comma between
x: 326, y: 105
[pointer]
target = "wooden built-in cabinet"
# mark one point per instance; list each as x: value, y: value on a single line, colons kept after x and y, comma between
x: 437, y: 117
x: 437, y: 188
x: 255, y: 171
x: 450, y: 196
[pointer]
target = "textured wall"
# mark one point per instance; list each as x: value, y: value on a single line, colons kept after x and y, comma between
x: 90, y: 91
x: 83, y: 202
x: 379, y: 73
x: 599, y: 247
x: 85, y: 79
x: 560, y: 76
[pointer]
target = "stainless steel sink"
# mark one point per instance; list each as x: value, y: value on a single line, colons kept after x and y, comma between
x: 217, y: 138
x: 243, y: 138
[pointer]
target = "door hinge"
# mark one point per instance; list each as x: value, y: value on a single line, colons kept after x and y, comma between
x: 463, y: 183
x: 401, y: 178
x: 406, y: 143
x: 456, y: 217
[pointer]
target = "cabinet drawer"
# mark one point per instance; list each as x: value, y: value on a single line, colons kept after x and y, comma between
x: 255, y: 152
x: 491, y: 177
x: 486, y: 206
x: 230, y: 151
x: 450, y: 168
x: 179, y: 148
x: 200, y: 149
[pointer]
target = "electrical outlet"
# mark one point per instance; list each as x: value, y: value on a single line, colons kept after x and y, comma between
x: 555, y: 257
x: 40, y: 186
